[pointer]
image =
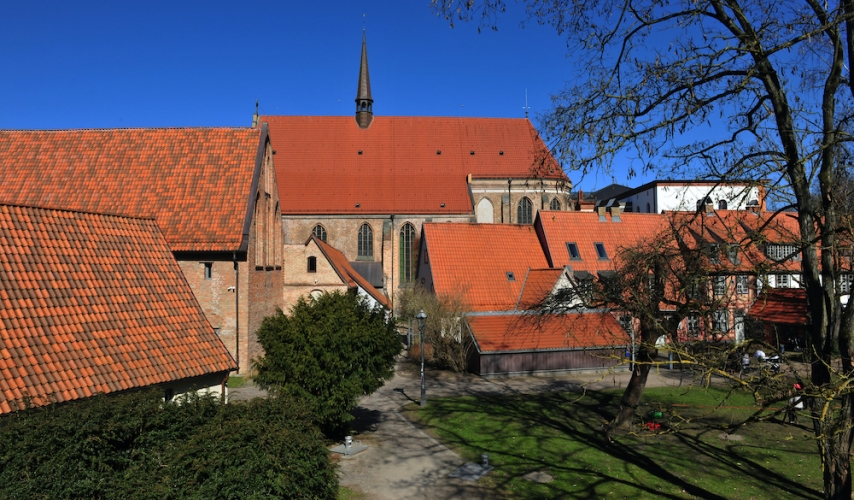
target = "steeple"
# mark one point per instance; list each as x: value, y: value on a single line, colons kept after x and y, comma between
x: 364, y: 101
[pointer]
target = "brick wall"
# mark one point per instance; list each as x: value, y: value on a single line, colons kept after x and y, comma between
x: 342, y: 233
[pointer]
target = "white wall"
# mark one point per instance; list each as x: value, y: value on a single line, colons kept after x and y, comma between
x: 684, y: 197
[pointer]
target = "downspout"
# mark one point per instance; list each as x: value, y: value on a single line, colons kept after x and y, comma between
x: 391, y: 292
x: 236, y: 311
x: 509, y: 204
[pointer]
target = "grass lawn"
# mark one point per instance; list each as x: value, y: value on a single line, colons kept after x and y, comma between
x: 235, y: 381
x: 560, y: 434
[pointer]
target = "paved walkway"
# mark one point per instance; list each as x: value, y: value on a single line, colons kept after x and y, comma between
x: 404, y: 463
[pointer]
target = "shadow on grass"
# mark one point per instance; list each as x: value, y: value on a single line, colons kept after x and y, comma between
x: 648, y: 465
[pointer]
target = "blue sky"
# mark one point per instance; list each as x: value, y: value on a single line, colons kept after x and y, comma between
x: 144, y: 64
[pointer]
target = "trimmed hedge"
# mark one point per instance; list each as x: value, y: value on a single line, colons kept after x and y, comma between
x: 134, y: 446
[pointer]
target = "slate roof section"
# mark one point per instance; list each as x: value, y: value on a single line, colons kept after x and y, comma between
x: 514, y: 332
x: 195, y: 182
x: 328, y: 165
x: 786, y: 306
x: 94, y: 304
x: 349, y: 275
x: 473, y: 260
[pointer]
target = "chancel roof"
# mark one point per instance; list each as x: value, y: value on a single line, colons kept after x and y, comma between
x: 94, y: 304
x: 400, y: 164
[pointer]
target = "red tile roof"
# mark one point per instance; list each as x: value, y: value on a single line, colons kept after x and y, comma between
x: 194, y: 181
x: 473, y: 260
x: 509, y: 332
x: 537, y: 286
x: 349, y: 275
x: 781, y: 305
x: 327, y: 164
x: 585, y: 230
x: 94, y: 304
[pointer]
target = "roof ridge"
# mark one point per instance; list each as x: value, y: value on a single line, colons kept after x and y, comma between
x: 75, y: 211
x: 206, y: 127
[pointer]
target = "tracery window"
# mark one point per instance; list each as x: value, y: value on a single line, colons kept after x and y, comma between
x: 525, y: 211
x: 320, y: 232
x: 366, y: 241
x: 407, y: 253
x: 555, y: 204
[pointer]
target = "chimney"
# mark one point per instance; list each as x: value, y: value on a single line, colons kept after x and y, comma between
x: 710, y: 207
x: 601, y: 210
x: 616, y: 210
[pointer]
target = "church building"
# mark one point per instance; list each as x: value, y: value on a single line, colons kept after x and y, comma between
x: 366, y: 184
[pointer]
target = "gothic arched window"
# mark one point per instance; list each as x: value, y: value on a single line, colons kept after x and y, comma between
x: 366, y: 241
x: 320, y: 232
x: 555, y: 204
x: 407, y: 253
x: 524, y: 212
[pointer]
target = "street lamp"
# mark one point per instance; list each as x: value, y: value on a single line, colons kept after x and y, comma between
x: 422, y: 320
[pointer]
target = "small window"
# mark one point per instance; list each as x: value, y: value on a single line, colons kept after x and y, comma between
x: 720, y: 286
x: 722, y: 204
x: 312, y: 264
x: 648, y: 209
x: 784, y: 281
x: 741, y: 285
x: 845, y: 282
x: 208, y: 270
x: 510, y: 276
x: 721, y: 321
x: 426, y: 257
x: 572, y: 248
x: 692, y: 324
x: 600, y: 251
x: 555, y: 204
x: 525, y: 212
x: 320, y: 232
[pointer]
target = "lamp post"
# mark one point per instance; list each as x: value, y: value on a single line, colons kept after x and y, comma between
x: 422, y: 319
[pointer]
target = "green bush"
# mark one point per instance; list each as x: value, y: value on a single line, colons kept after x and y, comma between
x: 328, y: 352
x: 133, y: 446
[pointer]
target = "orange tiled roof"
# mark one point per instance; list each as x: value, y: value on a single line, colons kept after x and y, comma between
x: 585, y: 229
x: 327, y: 164
x: 94, y: 304
x: 509, y: 332
x: 342, y: 266
x: 194, y: 181
x: 537, y: 286
x: 781, y: 305
x: 474, y: 259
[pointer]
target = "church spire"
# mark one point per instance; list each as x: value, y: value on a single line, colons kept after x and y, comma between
x: 364, y: 101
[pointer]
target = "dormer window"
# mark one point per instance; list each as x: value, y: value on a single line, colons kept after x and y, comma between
x: 600, y: 251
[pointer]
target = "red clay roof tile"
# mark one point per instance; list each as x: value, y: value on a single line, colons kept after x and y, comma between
x: 194, y: 181
x: 342, y: 266
x: 474, y: 260
x: 327, y: 164
x: 782, y: 306
x: 65, y: 349
x: 514, y: 332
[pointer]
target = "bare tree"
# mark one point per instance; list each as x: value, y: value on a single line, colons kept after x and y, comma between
x: 445, y: 328
x: 731, y: 88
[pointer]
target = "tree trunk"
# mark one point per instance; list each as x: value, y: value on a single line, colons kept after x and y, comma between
x: 631, y: 397
x: 834, y: 446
